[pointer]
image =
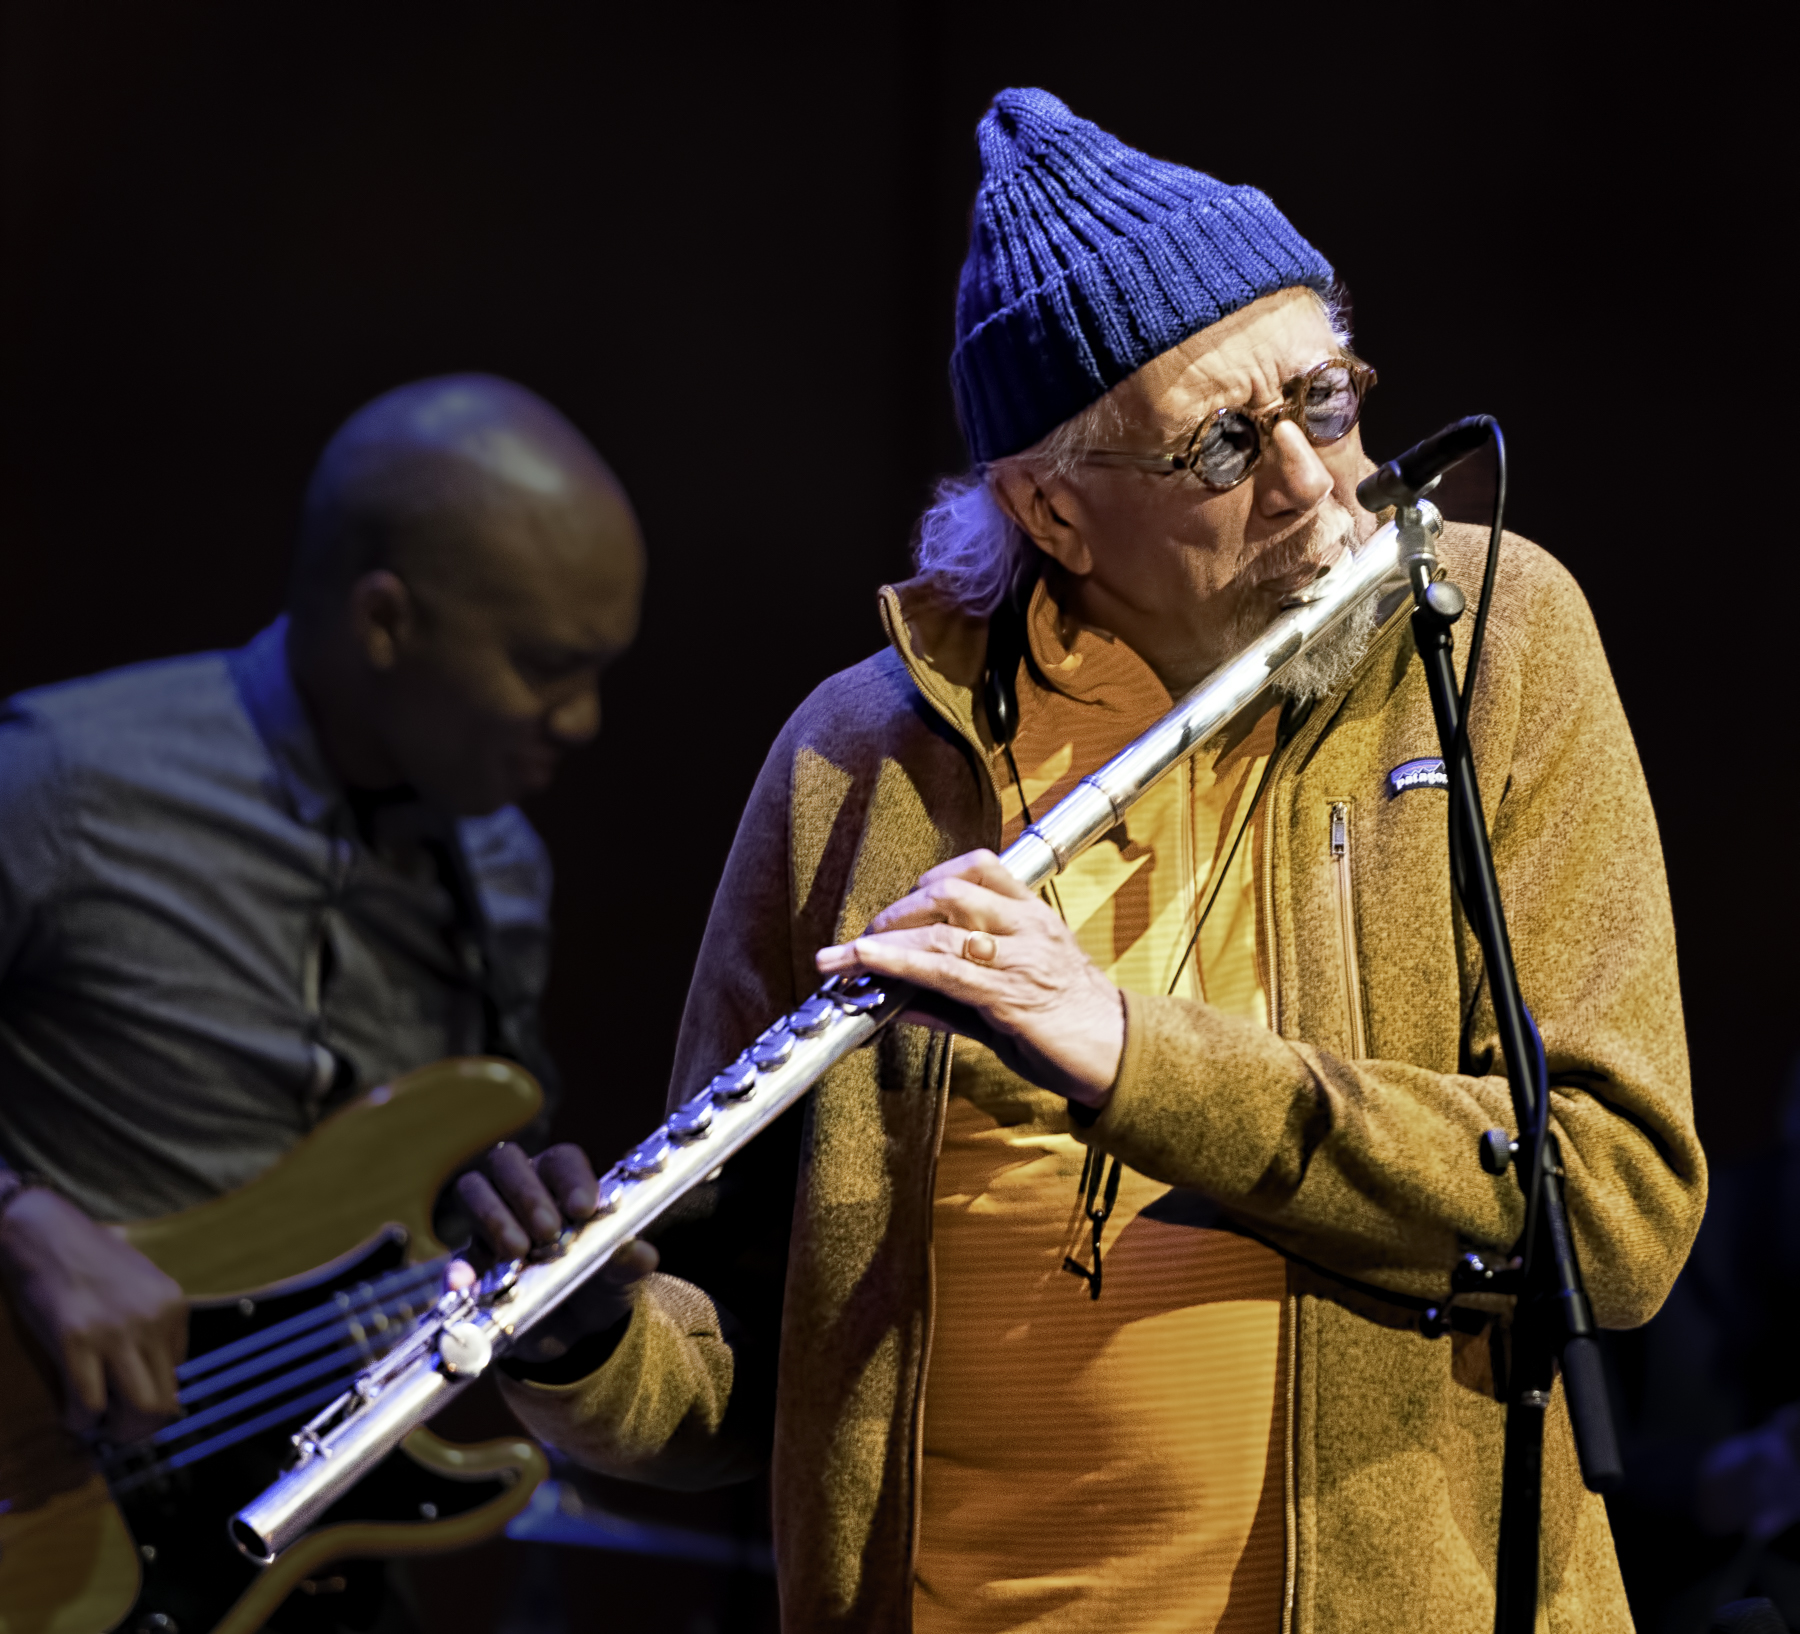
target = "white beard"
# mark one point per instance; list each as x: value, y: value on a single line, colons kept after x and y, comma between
x: 1328, y: 663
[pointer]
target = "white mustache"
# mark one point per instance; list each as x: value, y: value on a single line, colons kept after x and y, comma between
x: 1314, y: 539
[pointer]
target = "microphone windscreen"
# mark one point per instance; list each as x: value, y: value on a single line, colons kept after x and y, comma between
x: 1401, y: 480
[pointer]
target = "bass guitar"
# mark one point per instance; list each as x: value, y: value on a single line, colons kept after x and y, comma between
x: 298, y: 1282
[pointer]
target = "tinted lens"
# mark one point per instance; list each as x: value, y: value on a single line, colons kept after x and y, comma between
x: 1227, y: 446
x: 1331, y: 403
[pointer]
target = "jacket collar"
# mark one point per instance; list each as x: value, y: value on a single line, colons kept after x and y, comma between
x: 944, y: 649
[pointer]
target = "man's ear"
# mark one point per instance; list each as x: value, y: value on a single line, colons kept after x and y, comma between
x: 381, y: 618
x: 1048, y: 510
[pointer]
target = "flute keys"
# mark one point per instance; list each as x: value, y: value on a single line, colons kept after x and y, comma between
x: 858, y: 997
x: 647, y: 1157
x: 498, y: 1281
x: 464, y: 1351
x: 735, y: 1082
x: 691, y: 1119
x: 773, y: 1049
x: 611, y: 1190
x: 542, y: 1253
x: 813, y: 1017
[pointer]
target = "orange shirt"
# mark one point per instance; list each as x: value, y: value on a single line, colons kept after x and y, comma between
x: 1110, y: 1464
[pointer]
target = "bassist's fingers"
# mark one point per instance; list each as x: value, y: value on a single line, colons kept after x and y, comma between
x: 570, y: 1177
x: 515, y: 1178
x: 158, y: 1365
x: 504, y: 1234
x: 175, y: 1331
x: 84, y: 1385
x: 140, y: 1400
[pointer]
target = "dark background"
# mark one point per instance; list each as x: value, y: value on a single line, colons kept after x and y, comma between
x: 725, y: 243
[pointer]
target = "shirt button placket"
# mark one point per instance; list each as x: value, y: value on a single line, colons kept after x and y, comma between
x: 325, y: 1062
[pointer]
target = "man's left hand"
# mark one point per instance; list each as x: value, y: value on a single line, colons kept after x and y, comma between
x: 974, y: 934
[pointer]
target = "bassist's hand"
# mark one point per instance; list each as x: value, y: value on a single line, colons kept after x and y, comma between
x: 113, y: 1324
x: 520, y: 1203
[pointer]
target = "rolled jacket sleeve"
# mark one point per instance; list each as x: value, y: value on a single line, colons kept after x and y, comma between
x: 654, y: 1411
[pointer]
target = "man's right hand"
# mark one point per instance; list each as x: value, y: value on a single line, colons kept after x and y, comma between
x: 113, y: 1324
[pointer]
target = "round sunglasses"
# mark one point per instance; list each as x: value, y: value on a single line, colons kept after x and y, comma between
x: 1325, y: 402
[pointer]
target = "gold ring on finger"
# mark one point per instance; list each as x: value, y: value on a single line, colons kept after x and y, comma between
x: 979, y: 948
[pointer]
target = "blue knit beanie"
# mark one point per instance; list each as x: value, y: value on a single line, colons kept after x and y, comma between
x: 1086, y: 260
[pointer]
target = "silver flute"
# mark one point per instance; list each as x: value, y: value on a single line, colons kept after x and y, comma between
x: 467, y: 1330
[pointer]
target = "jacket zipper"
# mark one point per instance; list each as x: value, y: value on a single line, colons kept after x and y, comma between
x: 1290, y: 1479
x: 937, y: 1146
x: 1346, y: 907
x: 918, y: 1424
x: 1290, y: 1384
x: 1291, y: 1501
x: 1308, y: 731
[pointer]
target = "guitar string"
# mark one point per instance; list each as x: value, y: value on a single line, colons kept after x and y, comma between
x: 332, y: 1362
x: 129, y: 1468
x: 324, y: 1331
x: 313, y: 1316
x: 275, y: 1417
x: 359, y: 1351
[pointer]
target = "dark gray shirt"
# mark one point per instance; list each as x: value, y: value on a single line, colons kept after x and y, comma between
x: 201, y: 949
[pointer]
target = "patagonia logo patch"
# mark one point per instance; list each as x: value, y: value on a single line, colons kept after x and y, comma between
x: 1417, y: 774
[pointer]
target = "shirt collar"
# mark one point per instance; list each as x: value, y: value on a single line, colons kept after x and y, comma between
x: 266, y: 687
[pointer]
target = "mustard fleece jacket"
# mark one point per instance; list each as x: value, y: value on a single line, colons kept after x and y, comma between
x: 813, y: 1334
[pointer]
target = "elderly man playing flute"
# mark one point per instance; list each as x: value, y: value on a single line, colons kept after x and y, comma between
x: 1093, y: 1296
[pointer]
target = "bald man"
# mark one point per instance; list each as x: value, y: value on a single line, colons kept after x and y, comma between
x: 237, y: 889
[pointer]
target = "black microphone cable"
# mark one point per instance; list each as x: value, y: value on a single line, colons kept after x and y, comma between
x: 1479, y: 635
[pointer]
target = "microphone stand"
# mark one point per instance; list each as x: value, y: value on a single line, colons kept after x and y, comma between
x: 1552, y: 1319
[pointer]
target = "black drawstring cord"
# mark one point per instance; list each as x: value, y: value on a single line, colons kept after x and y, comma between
x: 1089, y: 1188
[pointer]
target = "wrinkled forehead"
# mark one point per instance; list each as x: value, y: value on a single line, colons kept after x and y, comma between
x: 1242, y: 360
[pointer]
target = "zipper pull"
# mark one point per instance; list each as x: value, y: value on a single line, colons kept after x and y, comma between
x: 1340, y: 828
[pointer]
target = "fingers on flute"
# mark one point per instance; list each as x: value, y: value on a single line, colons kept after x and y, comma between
x: 981, y: 868
x: 866, y: 952
x: 930, y: 956
x: 951, y: 901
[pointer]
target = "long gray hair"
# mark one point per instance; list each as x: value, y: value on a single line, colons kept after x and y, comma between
x: 975, y: 549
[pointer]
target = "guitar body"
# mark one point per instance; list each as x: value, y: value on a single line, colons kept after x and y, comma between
x: 82, y: 1554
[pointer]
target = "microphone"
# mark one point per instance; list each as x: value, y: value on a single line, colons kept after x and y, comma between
x: 1402, y: 481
